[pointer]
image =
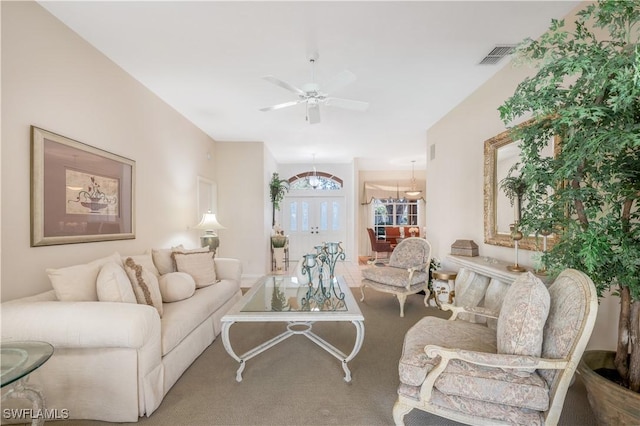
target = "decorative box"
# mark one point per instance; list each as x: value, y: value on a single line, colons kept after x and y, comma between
x: 464, y: 248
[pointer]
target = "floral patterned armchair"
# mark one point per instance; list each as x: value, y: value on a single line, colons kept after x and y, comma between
x: 407, y: 272
x: 516, y: 374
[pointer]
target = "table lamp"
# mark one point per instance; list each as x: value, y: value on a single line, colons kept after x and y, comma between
x: 210, y: 224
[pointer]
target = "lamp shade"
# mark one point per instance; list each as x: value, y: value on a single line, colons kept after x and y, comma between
x: 209, y: 222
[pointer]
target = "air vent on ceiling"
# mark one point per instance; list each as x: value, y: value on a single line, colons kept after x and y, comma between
x: 497, y: 53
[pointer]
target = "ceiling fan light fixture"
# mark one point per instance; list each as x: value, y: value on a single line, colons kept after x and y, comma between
x: 312, y: 94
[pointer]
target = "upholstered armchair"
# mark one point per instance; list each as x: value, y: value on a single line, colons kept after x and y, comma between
x: 517, y: 373
x: 378, y: 246
x: 407, y: 272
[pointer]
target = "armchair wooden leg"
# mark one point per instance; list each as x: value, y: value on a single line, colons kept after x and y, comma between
x: 401, y: 300
x: 362, y: 292
x: 427, y: 296
x: 399, y: 411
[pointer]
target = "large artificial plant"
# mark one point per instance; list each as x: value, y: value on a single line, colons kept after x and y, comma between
x: 587, y: 92
x: 277, y: 190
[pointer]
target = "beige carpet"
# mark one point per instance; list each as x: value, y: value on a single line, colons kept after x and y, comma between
x: 297, y: 383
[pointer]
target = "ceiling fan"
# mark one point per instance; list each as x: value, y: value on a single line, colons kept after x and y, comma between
x: 313, y: 96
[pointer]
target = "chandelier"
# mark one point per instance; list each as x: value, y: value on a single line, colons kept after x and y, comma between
x: 414, y: 191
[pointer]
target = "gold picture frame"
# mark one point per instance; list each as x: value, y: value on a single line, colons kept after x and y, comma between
x: 79, y: 193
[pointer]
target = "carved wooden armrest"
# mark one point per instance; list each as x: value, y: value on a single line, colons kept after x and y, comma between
x: 478, y: 310
x: 411, y: 272
x: 505, y: 361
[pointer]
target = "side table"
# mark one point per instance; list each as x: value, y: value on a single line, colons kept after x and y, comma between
x: 17, y: 361
x: 443, y: 284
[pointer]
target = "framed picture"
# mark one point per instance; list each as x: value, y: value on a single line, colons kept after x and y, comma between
x: 79, y: 193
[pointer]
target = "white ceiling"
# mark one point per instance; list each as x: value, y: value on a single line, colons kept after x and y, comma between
x: 414, y: 61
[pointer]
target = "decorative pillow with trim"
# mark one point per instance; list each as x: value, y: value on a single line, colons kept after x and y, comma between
x: 145, y: 284
x: 163, y: 260
x: 523, y: 316
x: 176, y: 286
x: 199, y: 265
x: 113, y: 284
x: 78, y: 283
x: 145, y: 260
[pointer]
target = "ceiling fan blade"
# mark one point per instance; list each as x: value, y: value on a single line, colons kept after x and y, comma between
x: 284, y: 85
x: 347, y: 104
x: 282, y: 105
x: 313, y: 113
x: 339, y: 81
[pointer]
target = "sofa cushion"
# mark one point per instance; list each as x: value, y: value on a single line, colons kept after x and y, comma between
x: 78, y: 283
x: 472, y: 381
x: 163, y: 261
x: 113, y: 284
x: 506, y: 414
x: 176, y: 286
x: 414, y: 362
x: 395, y: 277
x: 145, y: 285
x: 470, y: 289
x: 522, y: 317
x: 199, y: 265
x: 181, y: 318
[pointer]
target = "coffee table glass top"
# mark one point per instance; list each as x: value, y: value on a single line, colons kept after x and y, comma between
x: 17, y: 359
x: 278, y: 298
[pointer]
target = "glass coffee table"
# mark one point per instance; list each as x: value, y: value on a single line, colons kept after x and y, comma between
x: 282, y: 299
x: 17, y: 361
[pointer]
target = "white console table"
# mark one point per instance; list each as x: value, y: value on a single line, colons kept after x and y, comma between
x: 489, y: 278
x: 490, y: 267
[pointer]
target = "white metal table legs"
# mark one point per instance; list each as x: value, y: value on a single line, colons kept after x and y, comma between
x: 296, y: 327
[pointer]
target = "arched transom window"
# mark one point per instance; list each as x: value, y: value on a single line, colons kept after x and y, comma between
x: 315, y: 180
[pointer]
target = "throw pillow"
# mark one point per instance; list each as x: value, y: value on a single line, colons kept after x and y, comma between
x: 523, y: 316
x: 145, y: 285
x: 113, y: 285
x: 176, y: 286
x: 163, y: 260
x: 470, y: 288
x: 78, y: 283
x: 145, y: 260
x: 197, y: 264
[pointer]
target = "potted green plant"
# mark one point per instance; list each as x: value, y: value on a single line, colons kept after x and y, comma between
x: 587, y: 92
x: 277, y: 190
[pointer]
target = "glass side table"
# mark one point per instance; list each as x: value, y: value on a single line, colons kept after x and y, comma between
x: 17, y: 361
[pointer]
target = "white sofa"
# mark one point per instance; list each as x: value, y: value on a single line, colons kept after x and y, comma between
x: 116, y: 361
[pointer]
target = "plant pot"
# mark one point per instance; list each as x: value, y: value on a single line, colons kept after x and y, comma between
x: 611, y: 403
x: 278, y: 241
x: 278, y: 255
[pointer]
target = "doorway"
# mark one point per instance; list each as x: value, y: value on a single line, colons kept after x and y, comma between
x: 311, y: 220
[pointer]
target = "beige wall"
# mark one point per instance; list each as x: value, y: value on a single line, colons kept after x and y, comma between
x: 54, y: 80
x: 243, y: 173
x: 455, y: 193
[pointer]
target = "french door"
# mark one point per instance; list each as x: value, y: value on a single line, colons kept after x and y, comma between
x: 310, y: 221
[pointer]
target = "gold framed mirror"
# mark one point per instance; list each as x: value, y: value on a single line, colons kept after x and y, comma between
x: 501, y: 152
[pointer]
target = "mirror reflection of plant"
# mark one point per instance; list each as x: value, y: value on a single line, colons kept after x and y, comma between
x: 513, y: 186
x: 595, y: 176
